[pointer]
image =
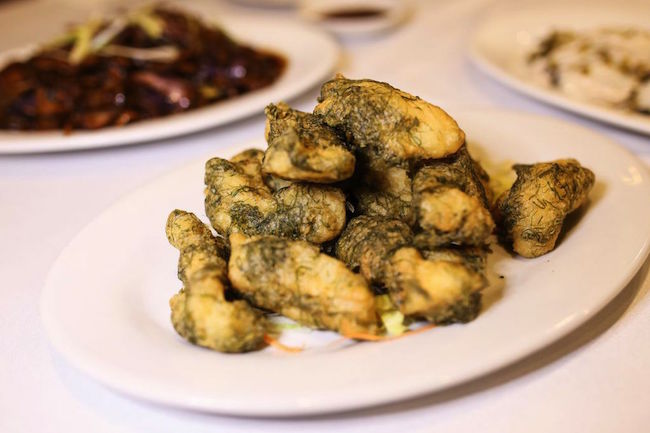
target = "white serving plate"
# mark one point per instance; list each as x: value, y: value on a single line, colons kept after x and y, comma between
x: 105, y: 302
x: 503, y: 38
x: 311, y: 56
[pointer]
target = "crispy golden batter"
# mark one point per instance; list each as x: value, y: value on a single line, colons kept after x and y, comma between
x: 391, y: 124
x: 439, y: 291
x: 473, y: 257
x: 367, y: 243
x: 296, y: 280
x: 530, y: 215
x: 451, y: 204
x: 200, y: 311
x: 237, y: 200
x: 250, y: 161
x: 443, y: 287
x: 303, y: 148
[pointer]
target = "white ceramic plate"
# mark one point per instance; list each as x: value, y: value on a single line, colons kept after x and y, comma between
x: 501, y: 42
x: 311, y: 56
x: 104, y: 305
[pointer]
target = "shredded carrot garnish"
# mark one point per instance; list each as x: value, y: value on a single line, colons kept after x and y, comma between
x: 283, y: 347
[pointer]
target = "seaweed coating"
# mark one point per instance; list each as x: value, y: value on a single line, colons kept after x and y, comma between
x: 391, y: 124
x: 383, y: 190
x: 367, y: 243
x: 439, y: 291
x: 296, y: 280
x: 200, y: 312
x: 238, y: 201
x: 530, y: 215
x: 451, y: 203
x: 303, y: 148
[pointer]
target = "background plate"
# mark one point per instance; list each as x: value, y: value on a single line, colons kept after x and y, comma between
x: 502, y: 40
x: 104, y: 305
x: 311, y: 56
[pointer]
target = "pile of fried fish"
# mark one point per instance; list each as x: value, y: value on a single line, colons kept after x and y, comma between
x: 373, y: 195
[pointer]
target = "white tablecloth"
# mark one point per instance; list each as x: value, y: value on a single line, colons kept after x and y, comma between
x: 595, y: 380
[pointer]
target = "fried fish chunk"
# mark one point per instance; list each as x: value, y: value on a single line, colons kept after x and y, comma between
x: 238, y: 200
x: 451, y: 204
x: 530, y: 215
x: 442, y: 287
x: 383, y: 190
x: 367, y: 243
x: 200, y: 312
x: 440, y: 291
x: 303, y: 148
x: 387, y: 122
x: 296, y: 280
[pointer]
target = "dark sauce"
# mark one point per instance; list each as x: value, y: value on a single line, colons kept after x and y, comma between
x: 355, y: 13
x: 47, y: 92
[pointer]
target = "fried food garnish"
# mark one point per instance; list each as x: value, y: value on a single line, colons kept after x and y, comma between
x: 451, y: 204
x: 200, y: 311
x: 296, y: 280
x: 238, y: 200
x: 302, y: 147
x: 530, y: 215
x: 391, y: 124
x: 439, y: 291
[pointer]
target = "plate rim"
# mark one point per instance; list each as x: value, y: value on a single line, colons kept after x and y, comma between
x: 192, y: 121
x: 58, y: 339
x: 549, y: 97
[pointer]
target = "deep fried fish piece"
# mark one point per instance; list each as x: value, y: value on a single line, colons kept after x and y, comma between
x: 250, y: 161
x: 440, y: 291
x: 200, y: 312
x: 383, y: 190
x: 443, y: 287
x: 303, y: 148
x: 367, y: 243
x: 391, y: 124
x: 450, y: 202
x: 473, y: 257
x: 238, y: 200
x: 530, y: 215
x: 296, y: 280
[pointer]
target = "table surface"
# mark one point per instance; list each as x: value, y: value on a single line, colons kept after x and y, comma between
x: 595, y: 380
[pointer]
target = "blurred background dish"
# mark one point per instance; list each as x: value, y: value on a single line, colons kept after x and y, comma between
x: 504, y: 40
x: 356, y: 18
x: 311, y: 56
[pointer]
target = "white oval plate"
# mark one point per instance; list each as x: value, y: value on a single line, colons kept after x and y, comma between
x: 311, y: 56
x: 104, y: 305
x: 501, y: 42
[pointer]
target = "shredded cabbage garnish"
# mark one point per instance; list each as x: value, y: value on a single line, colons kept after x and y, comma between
x: 391, y: 317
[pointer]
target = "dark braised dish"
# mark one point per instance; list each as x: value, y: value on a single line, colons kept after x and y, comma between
x: 140, y: 65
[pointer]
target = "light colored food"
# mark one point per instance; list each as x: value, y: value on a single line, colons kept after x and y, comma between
x: 295, y: 279
x: 416, y: 243
x: 201, y: 312
x: 440, y: 287
x: 451, y: 202
x: 531, y: 213
x: 609, y: 67
x: 439, y: 291
x: 394, y: 125
x: 301, y: 147
x: 238, y: 200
